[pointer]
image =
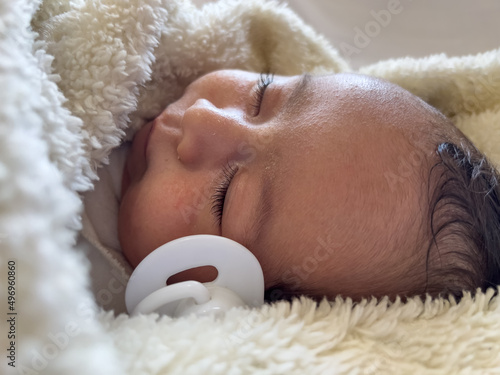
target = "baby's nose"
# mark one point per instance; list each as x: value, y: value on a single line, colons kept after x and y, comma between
x: 211, y: 135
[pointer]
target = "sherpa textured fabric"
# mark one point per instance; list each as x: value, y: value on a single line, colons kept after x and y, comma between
x: 77, y: 78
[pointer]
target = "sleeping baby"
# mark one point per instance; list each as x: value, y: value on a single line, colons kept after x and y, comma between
x: 339, y: 185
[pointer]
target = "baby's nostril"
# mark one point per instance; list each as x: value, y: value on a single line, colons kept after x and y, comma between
x: 203, y: 274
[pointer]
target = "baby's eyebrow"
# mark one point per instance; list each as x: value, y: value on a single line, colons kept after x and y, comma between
x: 296, y: 95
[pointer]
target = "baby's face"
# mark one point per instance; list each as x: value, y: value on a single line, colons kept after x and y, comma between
x: 306, y: 174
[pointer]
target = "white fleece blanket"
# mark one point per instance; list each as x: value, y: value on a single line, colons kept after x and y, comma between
x: 77, y: 78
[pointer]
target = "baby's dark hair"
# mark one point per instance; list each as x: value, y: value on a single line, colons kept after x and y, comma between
x: 464, y: 217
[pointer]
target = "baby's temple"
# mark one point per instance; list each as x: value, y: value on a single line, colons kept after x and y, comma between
x: 214, y: 187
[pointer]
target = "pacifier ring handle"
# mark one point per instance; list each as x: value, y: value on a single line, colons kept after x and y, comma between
x: 173, y: 293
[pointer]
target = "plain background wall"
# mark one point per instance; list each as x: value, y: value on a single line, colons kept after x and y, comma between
x: 418, y: 27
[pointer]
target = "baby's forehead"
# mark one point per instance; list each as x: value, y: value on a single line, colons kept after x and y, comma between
x: 368, y: 92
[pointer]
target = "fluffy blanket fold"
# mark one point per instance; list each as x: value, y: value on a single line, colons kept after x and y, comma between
x: 78, y: 77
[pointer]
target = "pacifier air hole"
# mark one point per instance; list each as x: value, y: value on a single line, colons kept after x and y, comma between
x: 202, y: 274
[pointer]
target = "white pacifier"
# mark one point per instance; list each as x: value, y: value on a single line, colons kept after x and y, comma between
x: 239, y: 282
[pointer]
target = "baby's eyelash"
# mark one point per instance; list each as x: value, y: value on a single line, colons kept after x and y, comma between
x: 265, y: 80
x: 219, y: 196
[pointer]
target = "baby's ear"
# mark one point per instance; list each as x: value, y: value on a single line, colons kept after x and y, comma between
x: 454, y: 85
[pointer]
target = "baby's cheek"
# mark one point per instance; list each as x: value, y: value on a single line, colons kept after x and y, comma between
x: 190, y: 202
x: 153, y: 214
x: 146, y: 221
